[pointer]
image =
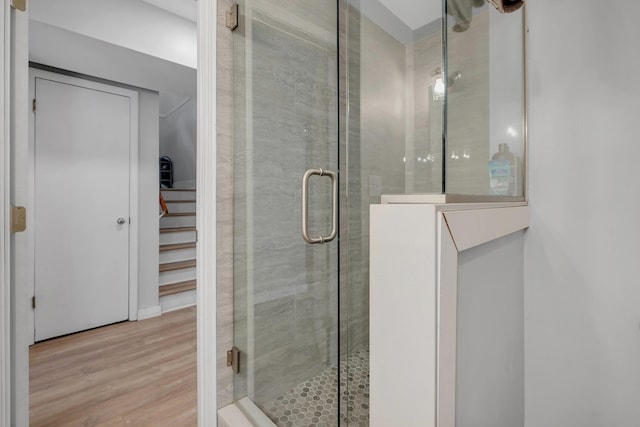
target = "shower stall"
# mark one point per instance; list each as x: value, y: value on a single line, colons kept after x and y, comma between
x: 338, y: 105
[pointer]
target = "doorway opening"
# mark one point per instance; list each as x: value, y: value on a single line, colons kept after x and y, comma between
x: 83, y: 56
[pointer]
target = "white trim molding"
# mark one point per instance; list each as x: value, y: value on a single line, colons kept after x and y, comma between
x: 5, y: 282
x: 414, y: 281
x: 470, y: 228
x: 447, y: 307
x: 20, y: 292
x: 206, y: 213
x: 134, y: 203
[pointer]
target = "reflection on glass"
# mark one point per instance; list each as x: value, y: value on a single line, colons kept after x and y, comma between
x: 398, y: 72
x: 485, y: 108
x: 462, y: 12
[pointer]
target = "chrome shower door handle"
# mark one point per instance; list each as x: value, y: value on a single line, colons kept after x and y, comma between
x: 305, y: 206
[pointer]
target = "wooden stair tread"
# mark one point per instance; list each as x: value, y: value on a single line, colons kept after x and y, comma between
x: 176, y: 288
x: 173, y: 196
x: 172, y: 266
x: 175, y: 246
x: 177, y: 229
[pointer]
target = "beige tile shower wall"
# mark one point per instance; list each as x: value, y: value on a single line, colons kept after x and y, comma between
x: 382, y: 111
x: 468, y: 110
x: 424, y: 117
x: 410, y: 121
x: 375, y: 147
x: 467, y: 149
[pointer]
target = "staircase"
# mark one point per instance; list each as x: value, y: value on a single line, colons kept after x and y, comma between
x: 178, y: 249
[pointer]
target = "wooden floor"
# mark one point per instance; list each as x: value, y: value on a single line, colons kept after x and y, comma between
x: 129, y: 374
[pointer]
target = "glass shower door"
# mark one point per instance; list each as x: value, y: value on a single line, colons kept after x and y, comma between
x: 285, y: 209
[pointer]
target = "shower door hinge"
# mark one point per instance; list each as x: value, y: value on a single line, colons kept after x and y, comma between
x: 18, y: 219
x: 33, y: 105
x: 20, y: 5
x: 231, y: 17
x: 33, y: 302
x: 233, y: 359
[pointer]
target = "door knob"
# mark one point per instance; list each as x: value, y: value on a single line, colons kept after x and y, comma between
x: 121, y: 221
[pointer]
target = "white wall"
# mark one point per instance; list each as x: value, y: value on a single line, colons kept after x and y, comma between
x: 582, y: 295
x: 148, y: 223
x: 132, y: 24
x: 178, y: 141
x: 104, y: 60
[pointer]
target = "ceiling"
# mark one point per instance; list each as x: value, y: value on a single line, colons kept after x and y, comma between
x: 405, y: 20
x: 187, y: 9
x: 414, y: 13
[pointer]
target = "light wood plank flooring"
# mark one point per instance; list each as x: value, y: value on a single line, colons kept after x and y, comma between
x: 129, y: 374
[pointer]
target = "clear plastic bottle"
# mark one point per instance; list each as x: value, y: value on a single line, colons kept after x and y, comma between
x: 505, y: 154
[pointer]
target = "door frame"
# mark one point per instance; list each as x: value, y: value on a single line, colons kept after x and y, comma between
x: 5, y: 296
x: 134, y: 217
x: 15, y: 373
x: 206, y: 217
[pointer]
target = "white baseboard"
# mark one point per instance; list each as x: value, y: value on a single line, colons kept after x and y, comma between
x: 149, y: 312
x: 178, y: 301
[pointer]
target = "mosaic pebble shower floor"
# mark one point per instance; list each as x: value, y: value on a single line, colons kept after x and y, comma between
x: 314, y: 403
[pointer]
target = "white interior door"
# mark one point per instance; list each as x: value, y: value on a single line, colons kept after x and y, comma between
x: 81, y: 205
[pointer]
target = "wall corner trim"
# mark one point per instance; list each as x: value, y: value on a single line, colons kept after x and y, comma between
x: 470, y: 228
